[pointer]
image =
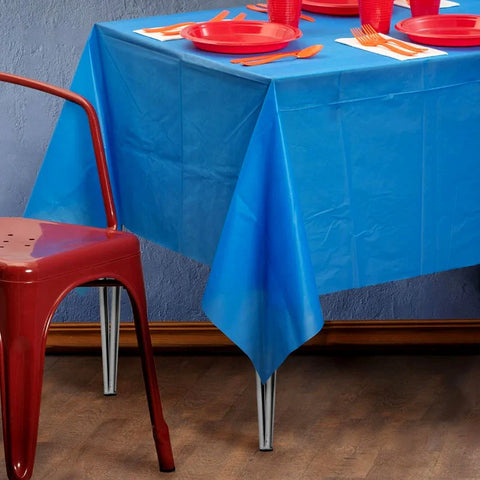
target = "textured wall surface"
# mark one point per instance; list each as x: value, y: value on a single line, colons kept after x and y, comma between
x: 43, y: 39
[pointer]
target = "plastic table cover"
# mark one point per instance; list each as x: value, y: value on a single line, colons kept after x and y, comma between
x: 292, y: 179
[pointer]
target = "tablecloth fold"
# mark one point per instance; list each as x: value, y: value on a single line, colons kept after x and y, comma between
x: 261, y: 291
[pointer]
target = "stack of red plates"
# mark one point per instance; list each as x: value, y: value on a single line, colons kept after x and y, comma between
x: 240, y: 37
x: 443, y: 30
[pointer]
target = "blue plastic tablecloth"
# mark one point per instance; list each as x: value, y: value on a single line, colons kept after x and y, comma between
x: 292, y: 179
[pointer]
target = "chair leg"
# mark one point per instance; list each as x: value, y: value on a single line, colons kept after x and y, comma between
x: 160, y: 429
x: 110, y: 328
x: 23, y: 335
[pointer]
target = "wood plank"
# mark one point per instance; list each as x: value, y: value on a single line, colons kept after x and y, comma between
x: 336, y: 335
x: 391, y: 417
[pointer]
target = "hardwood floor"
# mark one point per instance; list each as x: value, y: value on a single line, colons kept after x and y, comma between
x: 362, y: 417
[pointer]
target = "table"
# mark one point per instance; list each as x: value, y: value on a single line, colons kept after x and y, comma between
x: 292, y: 179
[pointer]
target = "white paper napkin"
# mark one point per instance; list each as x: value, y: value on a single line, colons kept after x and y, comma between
x: 158, y: 35
x: 443, y: 3
x: 430, y: 52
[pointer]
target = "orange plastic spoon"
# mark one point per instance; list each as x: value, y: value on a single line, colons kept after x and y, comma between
x: 304, y: 53
x: 258, y: 57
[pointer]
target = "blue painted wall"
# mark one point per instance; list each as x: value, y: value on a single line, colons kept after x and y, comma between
x: 43, y: 39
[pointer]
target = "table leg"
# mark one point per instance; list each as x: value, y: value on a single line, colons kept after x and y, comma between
x: 110, y: 326
x: 266, y: 412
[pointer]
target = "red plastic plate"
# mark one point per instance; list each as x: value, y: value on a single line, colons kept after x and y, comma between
x: 240, y: 37
x: 331, y: 7
x: 443, y: 30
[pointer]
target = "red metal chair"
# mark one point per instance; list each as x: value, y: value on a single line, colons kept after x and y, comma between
x: 40, y: 262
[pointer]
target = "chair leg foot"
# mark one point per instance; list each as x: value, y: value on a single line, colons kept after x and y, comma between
x: 164, y: 449
x: 160, y: 429
x: 161, y: 434
x: 22, y: 361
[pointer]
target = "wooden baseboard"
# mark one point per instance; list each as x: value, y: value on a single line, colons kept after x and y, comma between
x: 339, y: 335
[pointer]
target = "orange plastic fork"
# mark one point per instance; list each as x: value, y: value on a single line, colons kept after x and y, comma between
x: 302, y: 16
x: 167, y: 27
x: 369, y: 30
x: 368, y: 41
x: 262, y: 7
x: 176, y: 26
x: 218, y: 18
x: 238, y: 18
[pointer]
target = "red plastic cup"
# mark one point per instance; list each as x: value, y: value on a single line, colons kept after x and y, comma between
x: 285, y: 11
x: 377, y: 13
x: 424, y: 7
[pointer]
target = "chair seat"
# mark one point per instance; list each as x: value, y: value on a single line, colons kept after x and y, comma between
x: 33, y: 250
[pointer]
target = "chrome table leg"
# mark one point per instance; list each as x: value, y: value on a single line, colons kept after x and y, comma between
x: 266, y: 412
x: 110, y: 328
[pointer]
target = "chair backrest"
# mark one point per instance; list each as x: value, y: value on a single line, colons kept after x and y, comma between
x: 95, y: 131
